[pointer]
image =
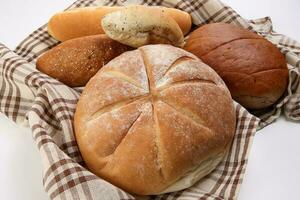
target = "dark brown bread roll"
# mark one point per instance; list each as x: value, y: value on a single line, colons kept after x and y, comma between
x: 254, y: 70
x: 75, y: 61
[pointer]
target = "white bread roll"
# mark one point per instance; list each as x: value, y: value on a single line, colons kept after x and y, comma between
x: 137, y: 26
x: 86, y: 21
x: 154, y: 120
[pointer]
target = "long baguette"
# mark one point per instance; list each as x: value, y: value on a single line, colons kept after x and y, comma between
x: 87, y: 21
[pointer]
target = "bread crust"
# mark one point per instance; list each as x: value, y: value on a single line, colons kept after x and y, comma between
x: 151, y: 117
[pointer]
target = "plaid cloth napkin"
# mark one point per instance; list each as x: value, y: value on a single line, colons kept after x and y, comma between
x: 31, y: 98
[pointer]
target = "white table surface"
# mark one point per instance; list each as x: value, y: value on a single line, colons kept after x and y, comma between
x: 274, y: 163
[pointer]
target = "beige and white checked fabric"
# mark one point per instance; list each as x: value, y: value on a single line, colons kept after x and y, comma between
x: 30, y: 97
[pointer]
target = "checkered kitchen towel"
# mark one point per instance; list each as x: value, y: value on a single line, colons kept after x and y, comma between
x: 31, y: 98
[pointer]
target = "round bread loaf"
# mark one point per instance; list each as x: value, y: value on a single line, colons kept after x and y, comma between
x: 254, y: 70
x: 154, y: 120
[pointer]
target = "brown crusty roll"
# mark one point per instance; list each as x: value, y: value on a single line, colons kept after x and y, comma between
x: 137, y: 26
x: 254, y: 70
x: 86, y: 21
x: 75, y: 61
x: 154, y: 120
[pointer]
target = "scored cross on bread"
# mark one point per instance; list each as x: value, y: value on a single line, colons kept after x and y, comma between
x: 152, y: 118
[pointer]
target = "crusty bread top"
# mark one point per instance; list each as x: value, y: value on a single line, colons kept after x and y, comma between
x: 183, y: 19
x: 151, y: 116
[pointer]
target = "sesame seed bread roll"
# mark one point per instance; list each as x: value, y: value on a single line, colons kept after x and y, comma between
x: 75, y: 61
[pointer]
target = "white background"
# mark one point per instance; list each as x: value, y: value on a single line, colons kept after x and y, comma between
x: 274, y: 163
